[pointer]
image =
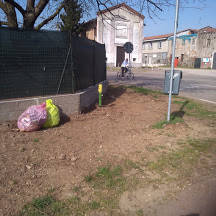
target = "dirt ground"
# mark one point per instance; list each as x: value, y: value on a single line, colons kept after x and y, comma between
x: 35, y: 162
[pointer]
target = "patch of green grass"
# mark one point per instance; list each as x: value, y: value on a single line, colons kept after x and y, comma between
x: 195, y: 109
x: 201, y: 145
x: 178, y: 97
x: 36, y: 140
x: 139, y: 212
x: 88, y: 178
x: 108, y: 183
x: 174, y: 119
x: 94, y: 205
x: 178, y: 102
x: 108, y: 178
x: 187, y: 155
x: 160, y: 124
x: 47, y: 205
x: 198, y: 110
x: 42, y: 202
x: 43, y: 206
x: 145, y: 91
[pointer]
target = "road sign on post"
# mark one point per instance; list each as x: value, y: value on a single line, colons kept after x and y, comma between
x: 128, y: 47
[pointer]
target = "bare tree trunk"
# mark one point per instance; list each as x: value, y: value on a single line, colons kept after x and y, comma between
x: 10, y: 13
x: 11, y: 17
x: 29, y: 21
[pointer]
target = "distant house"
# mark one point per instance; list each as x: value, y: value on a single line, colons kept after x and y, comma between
x: 114, y: 27
x: 185, y: 47
x: 155, y: 50
x: 206, y: 47
x: 194, y: 48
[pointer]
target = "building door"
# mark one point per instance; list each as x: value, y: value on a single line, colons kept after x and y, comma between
x: 197, y: 63
x: 120, y: 56
x: 214, y: 61
x: 150, y: 60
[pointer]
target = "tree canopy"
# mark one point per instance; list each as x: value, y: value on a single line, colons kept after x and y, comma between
x: 71, y: 18
x: 34, y: 14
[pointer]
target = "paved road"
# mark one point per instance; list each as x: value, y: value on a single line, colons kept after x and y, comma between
x: 196, y: 83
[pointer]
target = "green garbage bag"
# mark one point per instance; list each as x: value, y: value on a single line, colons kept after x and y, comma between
x: 53, y: 117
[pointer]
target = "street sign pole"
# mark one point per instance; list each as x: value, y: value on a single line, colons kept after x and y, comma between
x: 173, y: 58
x: 129, y: 59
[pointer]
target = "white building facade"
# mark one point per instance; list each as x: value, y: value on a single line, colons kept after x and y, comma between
x: 114, y: 27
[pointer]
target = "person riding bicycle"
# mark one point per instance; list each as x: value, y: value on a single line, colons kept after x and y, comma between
x: 124, y: 66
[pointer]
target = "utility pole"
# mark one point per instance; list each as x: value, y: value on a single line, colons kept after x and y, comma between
x: 173, y: 58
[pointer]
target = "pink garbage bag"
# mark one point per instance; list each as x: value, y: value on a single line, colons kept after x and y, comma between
x: 33, y: 118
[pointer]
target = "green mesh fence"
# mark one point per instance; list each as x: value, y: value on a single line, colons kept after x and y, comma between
x: 42, y: 63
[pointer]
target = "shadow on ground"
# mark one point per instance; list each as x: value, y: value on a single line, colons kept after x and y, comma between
x: 180, y: 113
x: 113, y: 92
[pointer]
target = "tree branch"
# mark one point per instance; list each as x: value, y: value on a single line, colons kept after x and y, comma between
x: 151, y: 2
x: 16, y: 5
x: 40, y: 6
x: 2, y: 5
x: 30, y: 5
x: 49, y: 18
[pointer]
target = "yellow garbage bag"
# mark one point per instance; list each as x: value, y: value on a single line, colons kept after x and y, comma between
x: 53, y: 117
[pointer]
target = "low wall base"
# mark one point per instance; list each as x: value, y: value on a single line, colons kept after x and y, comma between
x: 69, y: 103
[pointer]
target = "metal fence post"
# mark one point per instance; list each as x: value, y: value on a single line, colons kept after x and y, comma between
x: 173, y: 57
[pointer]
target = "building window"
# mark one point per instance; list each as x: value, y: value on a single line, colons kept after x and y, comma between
x: 121, y: 31
x: 208, y: 42
x: 144, y: 45
x: 164, y: 55
x: 193, y: 41
x: 150, y: 45
x: 182, y: 57
x: 183, y: 42
x: 159, y: 45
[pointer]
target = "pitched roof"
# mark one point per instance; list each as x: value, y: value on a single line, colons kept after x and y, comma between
x: 208, y: 29
x: 158, y: 37
x: 168, y: 35
x: 192, y: 31
x: 121, y: 5
x: 90, y: 22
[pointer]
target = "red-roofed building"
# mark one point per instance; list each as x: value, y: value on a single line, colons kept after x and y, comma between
x: 206, y: 47
x: 194, y: 48
x: 156, y: 48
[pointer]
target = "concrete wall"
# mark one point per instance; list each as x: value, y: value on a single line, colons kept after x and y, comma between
x: 155, y: 48
x: 69, y: 103
x: 153, y: 56
x: 186, y: 50
x: 186, y: 47
x: 107, y: 33
x: 90, y: 34
x: 201, y: 46
x: 206, y: 46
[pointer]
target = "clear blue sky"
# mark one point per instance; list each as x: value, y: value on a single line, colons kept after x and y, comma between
x: 194, y: 15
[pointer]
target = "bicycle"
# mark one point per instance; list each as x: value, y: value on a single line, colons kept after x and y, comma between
x: 128, y: 74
